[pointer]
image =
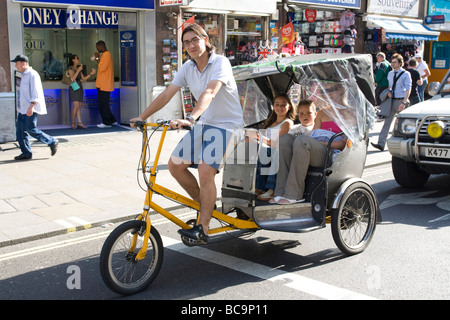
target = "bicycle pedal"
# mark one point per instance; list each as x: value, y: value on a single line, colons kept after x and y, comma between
x: 191, y: 242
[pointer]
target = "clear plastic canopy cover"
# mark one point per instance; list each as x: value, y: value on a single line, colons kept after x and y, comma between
x: 341, y: 85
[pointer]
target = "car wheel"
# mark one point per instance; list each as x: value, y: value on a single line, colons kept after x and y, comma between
x: 408, y: 174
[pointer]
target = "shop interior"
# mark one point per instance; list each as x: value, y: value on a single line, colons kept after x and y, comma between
x: 321, y: 30
x: 49, y: 50
x: 244, y: 36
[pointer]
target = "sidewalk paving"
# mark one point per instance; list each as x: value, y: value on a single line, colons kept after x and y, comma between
x: 91, y: 181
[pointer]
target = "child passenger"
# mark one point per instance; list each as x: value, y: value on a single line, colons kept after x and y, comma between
x: 279, y: 122
x: 297, y: 154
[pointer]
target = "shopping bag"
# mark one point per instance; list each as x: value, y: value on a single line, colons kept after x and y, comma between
x: 75, y: 86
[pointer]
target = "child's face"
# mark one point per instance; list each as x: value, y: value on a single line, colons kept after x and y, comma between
x: 281, y: 106
x: 306, y: 115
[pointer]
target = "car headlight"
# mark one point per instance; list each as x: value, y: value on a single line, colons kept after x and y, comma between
x: 407, y: 126
x: 436, y: 129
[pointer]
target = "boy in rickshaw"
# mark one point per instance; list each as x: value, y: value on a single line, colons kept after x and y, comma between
x: 296, y: 155
x: 210, y: 79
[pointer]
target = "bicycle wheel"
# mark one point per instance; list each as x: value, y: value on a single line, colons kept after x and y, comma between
x: 353, y: 223
x: 118, y: 267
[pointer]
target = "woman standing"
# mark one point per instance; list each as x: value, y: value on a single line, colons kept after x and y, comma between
x: 76, y: 96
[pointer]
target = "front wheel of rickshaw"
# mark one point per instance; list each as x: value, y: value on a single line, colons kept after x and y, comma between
x: 120, y: 271
x: 353, y: 222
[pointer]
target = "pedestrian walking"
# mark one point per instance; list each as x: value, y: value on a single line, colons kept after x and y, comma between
x: 400, y: 88
x: 381, y: 72
x: 416, y: 81
x: 424, y: 71
x: 104, y: 84
x: 31, y: 104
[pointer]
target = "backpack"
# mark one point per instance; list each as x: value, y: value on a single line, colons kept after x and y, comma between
x: 386, y: 69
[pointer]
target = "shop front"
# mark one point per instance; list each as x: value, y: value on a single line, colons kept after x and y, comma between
x: 438, y: 19
x: 321, y: 24
x: 393, y: 29
x: 238, y: 29
x: 50, y: 32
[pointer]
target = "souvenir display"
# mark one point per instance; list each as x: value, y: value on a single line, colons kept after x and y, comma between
x: 188, y: 101
x: 320, y: 31
x: 170, y: 60
x: 243, y: 36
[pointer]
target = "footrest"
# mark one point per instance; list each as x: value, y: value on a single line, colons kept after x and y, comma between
x: 286, y: 218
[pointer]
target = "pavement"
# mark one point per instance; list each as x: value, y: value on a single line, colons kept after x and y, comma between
x: 92, y: 181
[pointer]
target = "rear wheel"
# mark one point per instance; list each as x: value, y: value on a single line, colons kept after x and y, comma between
x: 353, y: 222
x: 118, y: 267
x: 408, y: 174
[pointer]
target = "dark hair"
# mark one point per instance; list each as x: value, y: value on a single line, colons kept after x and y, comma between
x: 412, y: 62
x: 273, y: 116
x: 201, y: 33
x: 72, y: 56
x: 101, y: 43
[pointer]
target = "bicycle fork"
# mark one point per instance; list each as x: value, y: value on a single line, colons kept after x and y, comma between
x: 148, y: 197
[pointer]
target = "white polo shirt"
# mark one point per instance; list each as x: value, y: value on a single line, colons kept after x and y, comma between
x: 225, y: 110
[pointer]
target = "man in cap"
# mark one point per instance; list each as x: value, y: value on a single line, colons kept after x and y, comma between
x: 31, y: 104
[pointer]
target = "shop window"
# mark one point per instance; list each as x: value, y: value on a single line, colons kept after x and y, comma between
x: 440, y: 56
x: 320, y: 30
x: 49, y: 49
x: 244, y: 35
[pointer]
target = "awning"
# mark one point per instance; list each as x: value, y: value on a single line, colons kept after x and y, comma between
x: 409, y: 29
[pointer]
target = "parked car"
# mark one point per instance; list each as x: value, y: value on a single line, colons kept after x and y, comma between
x: 420, y: 143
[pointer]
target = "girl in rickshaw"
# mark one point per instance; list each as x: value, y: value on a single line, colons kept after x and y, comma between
x: 296, y: 155
x: 280, y: 121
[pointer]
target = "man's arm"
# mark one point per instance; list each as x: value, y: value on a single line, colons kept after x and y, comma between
x: 34, y: 95
x: 206, y: 97
x: 202, y: 104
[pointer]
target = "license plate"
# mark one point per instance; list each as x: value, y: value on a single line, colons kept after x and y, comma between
x: 437, y: 153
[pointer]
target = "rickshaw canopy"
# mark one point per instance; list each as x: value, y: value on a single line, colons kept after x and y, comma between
x: 341, y: 84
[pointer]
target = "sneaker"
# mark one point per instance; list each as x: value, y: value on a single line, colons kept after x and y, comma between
x: 102, y: 125
x: 22, y: 157
x: 54, y: 147
x: 196, y: 233
x: 115, y: 123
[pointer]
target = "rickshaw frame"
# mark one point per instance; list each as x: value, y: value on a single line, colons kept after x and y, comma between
x: 151, y: 247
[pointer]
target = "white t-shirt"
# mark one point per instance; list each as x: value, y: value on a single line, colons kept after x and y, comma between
x: 225, y: 110
x: 421, y: 67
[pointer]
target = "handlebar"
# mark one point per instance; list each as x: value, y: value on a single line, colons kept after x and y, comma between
x: 159, y: 123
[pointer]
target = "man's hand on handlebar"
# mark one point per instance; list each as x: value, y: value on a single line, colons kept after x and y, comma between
x: 174, y: 124
x: 134, y: 121
x: 180, y: 124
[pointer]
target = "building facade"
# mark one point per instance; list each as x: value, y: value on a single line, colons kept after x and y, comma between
x: 144, y: 38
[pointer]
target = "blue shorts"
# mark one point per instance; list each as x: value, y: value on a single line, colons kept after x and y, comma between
x: 204, y: 143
